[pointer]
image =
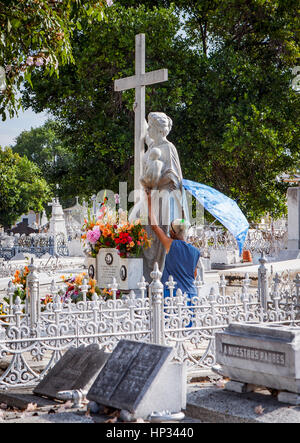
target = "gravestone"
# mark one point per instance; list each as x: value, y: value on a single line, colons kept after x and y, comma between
x: 140, y: 378
x: 139, y: 81
x: 57, y: 224
x: 77, y: 369
x: 224, y: 256
x: 261, y: 355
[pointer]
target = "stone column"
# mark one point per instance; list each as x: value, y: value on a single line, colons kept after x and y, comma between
x: 293, y: 198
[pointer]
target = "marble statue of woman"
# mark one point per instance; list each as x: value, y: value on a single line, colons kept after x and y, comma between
x: 164, y: 179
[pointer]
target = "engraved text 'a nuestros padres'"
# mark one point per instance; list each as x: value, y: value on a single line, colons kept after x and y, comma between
x: 259, y: 355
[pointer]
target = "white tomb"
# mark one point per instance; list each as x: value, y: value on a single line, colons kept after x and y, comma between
x: 108, y: 265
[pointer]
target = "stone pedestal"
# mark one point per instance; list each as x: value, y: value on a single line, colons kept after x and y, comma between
x: 128, y: 272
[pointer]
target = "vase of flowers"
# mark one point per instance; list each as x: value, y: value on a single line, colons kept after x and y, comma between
x: 114, y: 247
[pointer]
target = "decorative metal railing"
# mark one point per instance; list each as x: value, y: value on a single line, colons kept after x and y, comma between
x: 37, y: 244
x: 33, y: 336
x: 268, y: 241
x: 48, y: 265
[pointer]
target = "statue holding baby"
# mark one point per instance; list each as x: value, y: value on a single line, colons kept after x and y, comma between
x: 163, y: 177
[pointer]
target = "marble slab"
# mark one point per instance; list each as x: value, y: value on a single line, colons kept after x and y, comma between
x: 77, y: 369
x: 140, y: 378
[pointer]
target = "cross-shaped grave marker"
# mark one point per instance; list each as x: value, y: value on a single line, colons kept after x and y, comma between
x: 139, y: 81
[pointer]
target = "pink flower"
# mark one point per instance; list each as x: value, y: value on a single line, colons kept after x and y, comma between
x: 102, y: 212
x: 39, y: 61
x: 117, y: 199
x: 29, y: 61
x: 93, y: 236
x: 109, y: 2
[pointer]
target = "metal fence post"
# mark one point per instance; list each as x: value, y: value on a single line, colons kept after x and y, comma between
x: 16, y: 246
x: 263, y: 283
x: 33, y: 295
x: 157, y: 289
x: 51, y: 245
x: 10, y: 292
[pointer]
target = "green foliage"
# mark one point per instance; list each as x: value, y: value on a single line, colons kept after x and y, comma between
x: 50, y: 153
x: 21, y: 187
x: 35, y: 35
x: 235, y: 115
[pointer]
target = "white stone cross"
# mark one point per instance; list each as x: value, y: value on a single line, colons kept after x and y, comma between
x: 139, y: 81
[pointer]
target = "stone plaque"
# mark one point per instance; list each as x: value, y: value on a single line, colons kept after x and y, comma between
x: 77, y: 369
x: 129, y: 374
x: 107, y: 266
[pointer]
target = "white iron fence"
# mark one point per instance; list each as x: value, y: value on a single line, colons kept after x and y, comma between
x: 34, y: 336
x: 267, y: 241
x: 37, y: 244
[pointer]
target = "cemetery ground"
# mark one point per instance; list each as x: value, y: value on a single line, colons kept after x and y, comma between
x: 207, y: 402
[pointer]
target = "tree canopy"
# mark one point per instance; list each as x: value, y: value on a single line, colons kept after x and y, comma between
x: 22, y: 187
x: 50, y: 153
x: 235, y: 115
x: 37, y: 33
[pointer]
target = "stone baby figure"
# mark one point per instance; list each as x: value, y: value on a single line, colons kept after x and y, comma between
x: 152, y: 169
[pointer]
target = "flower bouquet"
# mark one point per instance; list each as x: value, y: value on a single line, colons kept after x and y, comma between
x: 75, y: 294
x: 20, y: 280
x: 112, y: 230
x: 130, y: 239
x: 73, y: 291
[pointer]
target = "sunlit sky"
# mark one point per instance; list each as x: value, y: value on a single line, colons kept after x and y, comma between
x: 11, y: 128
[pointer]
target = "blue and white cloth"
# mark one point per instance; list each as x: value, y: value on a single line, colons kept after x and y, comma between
x: 224, y: 209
